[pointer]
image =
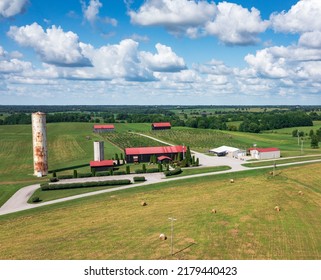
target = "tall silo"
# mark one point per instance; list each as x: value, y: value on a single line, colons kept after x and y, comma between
x: 98, y: 150
x: 39, y: 141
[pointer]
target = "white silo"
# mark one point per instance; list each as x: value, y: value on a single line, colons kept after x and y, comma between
x: 39, y: 141
x: 98, y: 150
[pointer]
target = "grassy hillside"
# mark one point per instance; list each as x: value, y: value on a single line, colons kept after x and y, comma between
x: 116, y: 226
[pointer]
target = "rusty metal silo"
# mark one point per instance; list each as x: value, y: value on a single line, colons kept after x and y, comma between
x: 39, y: 141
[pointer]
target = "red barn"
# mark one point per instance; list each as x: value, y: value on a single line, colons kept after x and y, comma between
x: 161, y: 126
x: 101, y: 165
x: 100, y: 128
x: 143, y: 154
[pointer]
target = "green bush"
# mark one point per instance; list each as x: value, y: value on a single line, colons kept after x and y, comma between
x: 152, y: 170
x: 54, y: 174
x: 173, y: 172
x: 75, y: 173
x: 47, y: 187
x: 36, y: 199
x: 65, y: 177
x: 84, y: 175
x: 127, y: 169
x: 53, y: 179
x: 102, y: 173
x: 139, y: 179
x: 119, y: 173
x: 139, y: 171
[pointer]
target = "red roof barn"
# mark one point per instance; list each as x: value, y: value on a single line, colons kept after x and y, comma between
x: 99, y: 128
x: 161, y: 126
x: 101, y: 165
x: 143, y: 154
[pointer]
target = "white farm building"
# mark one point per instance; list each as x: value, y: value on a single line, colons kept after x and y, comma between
x: 265, y: 153
x: 228, y: 151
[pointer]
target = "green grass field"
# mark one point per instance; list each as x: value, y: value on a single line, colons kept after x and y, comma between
x: 116, y: 226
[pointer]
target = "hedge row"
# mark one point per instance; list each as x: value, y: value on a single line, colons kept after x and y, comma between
x: 65, y: 177
x: 84, y: 175
x: 173, y: 172
x: 150, y: 170
x: 47, y: 187
x: 139, y: 179
x: 103, y: 173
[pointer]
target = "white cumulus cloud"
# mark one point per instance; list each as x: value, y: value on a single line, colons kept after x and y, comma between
x: 304, y: 16
x: 91, y: 11
x: 53, y: 45
x: 164, y: 61
x: 311, y: 39
x: 175, y: 16
x: 236, y: 25
x: 9, y: 8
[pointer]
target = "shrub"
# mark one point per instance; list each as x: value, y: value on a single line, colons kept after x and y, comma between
x: 47, y: 187
x: 160, y: 167
x: 152, y: 170
x: 53, y: 179
x: 102, y: 173
x: 127, y: 169
x: 84, y: 175
x: 144, y: 168
x: 75, y: 173
x: 139, y: 179
x: 54, y: 174
x: 119, y: 173
x: 173, y: 172
x: 65, y: 177
x: 138, y: 171
x: 36, y: 199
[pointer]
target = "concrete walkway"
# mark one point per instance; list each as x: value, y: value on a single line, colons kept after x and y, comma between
x: 18, y: 202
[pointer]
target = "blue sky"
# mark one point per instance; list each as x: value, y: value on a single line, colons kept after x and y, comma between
x: 157, y: 52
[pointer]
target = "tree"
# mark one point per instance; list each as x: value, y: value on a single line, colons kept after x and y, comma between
x: 318, y: 134
x: 295, y: 133
x: 311, y: 133
x: 314, y: 142
x: 127, y: 169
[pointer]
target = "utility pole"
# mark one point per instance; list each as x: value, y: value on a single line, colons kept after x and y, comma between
x: 172, y: 232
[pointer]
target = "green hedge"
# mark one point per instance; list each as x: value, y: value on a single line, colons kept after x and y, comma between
x: 120, y: 173
x: 139, y: 179
x: 173, y: 172
x: 139, y: 171
x: 48, y: 187
x: 53, y: 179
x: 84, y: 175
x: 103, y: 173
x: 152, y: 170
x: 65, y: 177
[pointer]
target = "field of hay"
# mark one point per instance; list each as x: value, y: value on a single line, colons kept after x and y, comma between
x: 116, y: 226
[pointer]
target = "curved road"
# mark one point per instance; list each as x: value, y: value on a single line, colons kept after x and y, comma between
x: 18, y: 202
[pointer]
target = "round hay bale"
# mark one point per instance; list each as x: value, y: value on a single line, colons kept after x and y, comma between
x: 231, y: 180
x: 300, y: 192
x: 277, y: 208
x: 143, y: 203
x: 162, y: 236
x: 213, y: 211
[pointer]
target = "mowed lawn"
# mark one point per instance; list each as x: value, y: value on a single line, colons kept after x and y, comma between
x: 116, y: 226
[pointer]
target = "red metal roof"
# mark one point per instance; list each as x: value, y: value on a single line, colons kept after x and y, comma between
x: 162, y: 124
x: 155, y: 150
x: 107, y: 162
x: 265, y: 150
x: 104, y: 126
